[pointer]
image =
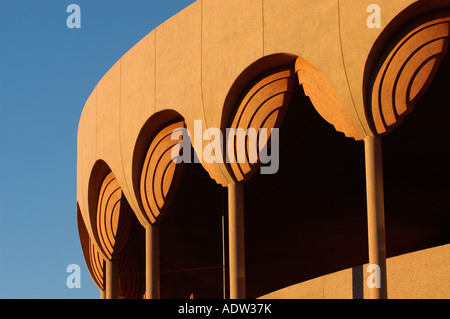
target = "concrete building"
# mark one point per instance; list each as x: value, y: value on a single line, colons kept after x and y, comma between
x: 359, y: 206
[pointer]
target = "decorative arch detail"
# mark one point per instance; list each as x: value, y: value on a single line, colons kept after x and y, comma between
x: 405, y: 72
x: 97, y: 266
x: 113, y: 218
x: 94, y: 261
x: 160, y: 174
x: 263, y: 105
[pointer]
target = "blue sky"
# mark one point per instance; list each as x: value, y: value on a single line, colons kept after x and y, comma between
x: 47, y: 71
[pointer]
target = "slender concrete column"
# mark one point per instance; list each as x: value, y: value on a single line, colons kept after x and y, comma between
x: 224, y: 254
x: 152, y: 272
x: 375, y: 213
x: 112, y: 280
x: 236, y: 240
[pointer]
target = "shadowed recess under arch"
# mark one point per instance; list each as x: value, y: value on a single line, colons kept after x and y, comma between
x: 144, y: 142
x: 113, y: 217
x: 132, y: 264
x: 160, y: 174
x: 109, y: 212
x: 94, y: 261
x: 262, y: 105
x: 404, y: 73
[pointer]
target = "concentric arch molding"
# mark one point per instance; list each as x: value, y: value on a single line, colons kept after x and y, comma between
x: 262, y: 106
x: 113, y: 219
x: 404, y: 74
x: 160, y: 174
x: 94, y: 261
x: 97, y: 266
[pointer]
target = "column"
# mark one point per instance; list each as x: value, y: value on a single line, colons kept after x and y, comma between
x: 375, y: 212
x: 152, y: 271
x: 236, y: 240
x: 112, y: 280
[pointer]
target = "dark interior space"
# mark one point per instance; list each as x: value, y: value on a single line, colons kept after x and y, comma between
x: 416, y: 157
x: 191, y: 239
x: 309, y: 219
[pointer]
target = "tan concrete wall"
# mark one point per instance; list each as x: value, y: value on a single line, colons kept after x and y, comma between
x: 423, y: 274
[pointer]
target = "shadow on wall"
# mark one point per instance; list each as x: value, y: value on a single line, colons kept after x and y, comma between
x: 358, y: 282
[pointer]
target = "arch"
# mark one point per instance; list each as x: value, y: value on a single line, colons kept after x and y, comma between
x: 265, y: 89
x: 155, y: 175
x: 252, y: 72
x: 109, y: 211
x: 257, y: 99
x: 316, y: 163
x: 97, y: 266
x: 405, y: 69
x: 94, y: 261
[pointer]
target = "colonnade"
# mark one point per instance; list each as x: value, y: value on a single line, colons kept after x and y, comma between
x: 236, y: 251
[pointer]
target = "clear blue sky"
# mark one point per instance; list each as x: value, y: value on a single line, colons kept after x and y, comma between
x: 47, y: 71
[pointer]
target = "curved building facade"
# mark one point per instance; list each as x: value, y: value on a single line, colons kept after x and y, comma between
x: 262, y: 148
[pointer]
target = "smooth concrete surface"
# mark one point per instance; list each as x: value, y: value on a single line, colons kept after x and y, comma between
x: 375, y: 212
x: 236, y: 240
x: 112, y: 280
x: 152, y: 261
x: 417, y: 275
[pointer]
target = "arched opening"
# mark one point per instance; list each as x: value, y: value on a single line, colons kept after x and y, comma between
x: 116, y: 258
x: 407, y: 74
x: 98, y: 174
x: 148, y: 132
x: 400, y: 68
x: 416, y: 161
x: 251, y: 74
x: 189, y: 222
x: 94, y: 263
x: 308, y: 219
